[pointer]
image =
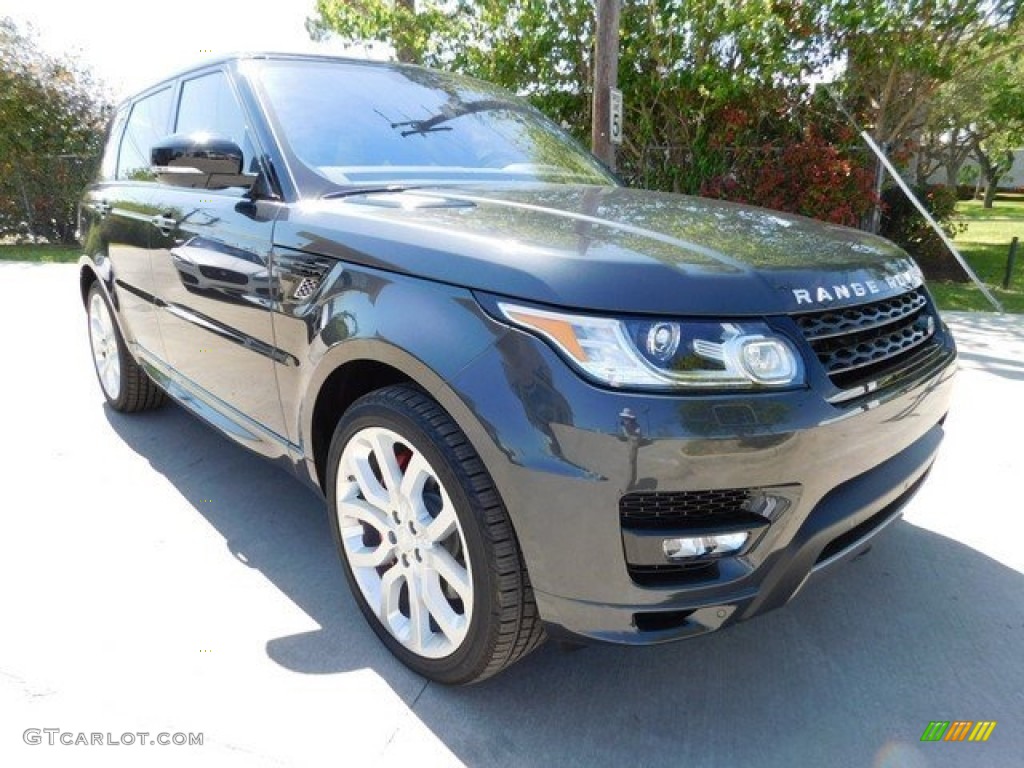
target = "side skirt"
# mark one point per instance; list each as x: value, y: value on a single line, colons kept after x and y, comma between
x: 225, y: 418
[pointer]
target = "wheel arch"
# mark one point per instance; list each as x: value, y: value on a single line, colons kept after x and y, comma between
x: 91, y: 271
x: 358, y: 367
x: 86, y: 277
x: 340, y: 389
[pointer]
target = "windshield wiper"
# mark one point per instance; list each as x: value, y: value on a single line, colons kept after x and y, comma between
x: 447, y: 114
x: 368, y: 190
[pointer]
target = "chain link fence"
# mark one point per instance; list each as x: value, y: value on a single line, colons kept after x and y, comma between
x: 679, y: 168
x: 39, y: 197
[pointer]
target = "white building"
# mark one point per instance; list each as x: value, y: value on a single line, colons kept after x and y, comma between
x: 1013, y: 179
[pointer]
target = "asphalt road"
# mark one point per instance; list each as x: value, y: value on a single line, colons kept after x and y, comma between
x: 155, y: 577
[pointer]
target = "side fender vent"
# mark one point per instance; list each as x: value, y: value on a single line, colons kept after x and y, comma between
x: 305, y: 288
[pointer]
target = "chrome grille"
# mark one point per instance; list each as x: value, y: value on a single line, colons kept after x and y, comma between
x: 838, y: 322
x: 858, y: 344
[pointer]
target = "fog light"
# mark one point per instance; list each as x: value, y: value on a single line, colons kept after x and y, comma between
x: 704, y: 546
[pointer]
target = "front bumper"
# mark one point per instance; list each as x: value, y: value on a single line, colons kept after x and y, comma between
x: 562, y: 461
x: 839, y: 527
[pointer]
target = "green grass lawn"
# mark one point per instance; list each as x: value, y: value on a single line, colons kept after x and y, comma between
x: 40, y: 253
x: 985, y: 245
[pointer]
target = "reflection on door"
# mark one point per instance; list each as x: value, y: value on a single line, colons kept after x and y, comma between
x: 212, y: 273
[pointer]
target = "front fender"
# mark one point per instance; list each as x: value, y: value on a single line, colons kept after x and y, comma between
x: 413, y: 368
x: 428, y: 332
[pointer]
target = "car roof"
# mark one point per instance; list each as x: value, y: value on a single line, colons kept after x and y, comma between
x: 214, y: 61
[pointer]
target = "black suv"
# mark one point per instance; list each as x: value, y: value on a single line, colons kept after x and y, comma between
x: 537, y: 402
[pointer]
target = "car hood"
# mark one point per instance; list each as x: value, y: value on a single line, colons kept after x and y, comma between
x: 606, y: 249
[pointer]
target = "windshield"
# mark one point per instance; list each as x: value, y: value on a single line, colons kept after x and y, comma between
x: 359, y: 124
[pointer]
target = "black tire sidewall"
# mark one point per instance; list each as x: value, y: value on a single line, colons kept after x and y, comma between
x: 473, y: 655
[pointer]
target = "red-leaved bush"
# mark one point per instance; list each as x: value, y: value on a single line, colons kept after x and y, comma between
x: 811, y: 177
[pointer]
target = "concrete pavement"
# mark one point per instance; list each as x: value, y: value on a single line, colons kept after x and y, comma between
x: 157, y: 578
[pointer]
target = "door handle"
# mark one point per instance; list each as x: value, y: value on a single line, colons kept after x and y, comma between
x: 164, y: 223
x: 102, y: 208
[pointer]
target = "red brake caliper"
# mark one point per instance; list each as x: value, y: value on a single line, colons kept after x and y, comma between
x: 403, y: 455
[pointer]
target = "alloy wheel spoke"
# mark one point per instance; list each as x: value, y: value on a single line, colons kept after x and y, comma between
x: 454, y: 574
x: 111, y: 375
x: 419, y: 617
x: 369, y: 485
x: 417, y: 472
x: 452, y: 624
x: 362, y: 512
x: 383, y: 446
x: 389, y: 609
x: 362, y: 556
x: 98, y: 333
x: 443, y: 525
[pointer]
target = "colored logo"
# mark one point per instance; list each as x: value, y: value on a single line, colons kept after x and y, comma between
x: 958, y: 730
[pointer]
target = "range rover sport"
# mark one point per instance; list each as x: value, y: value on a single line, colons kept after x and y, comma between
x: 536, y: 402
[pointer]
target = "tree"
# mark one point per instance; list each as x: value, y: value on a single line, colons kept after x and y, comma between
x: 541, y: 48
x: 52, y: 115
x: 715, y: 93
x: 677, y: 72
x: 705, y: 81
x: 946, y: 144
x: 899, y: 53
x: 428, y: 32
x: 998, y: 128
x: 981, y: 115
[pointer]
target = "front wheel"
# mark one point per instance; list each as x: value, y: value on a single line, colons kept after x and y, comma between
x: 427, y: 544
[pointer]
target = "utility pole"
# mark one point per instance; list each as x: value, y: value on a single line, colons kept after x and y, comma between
x: 606, y: 77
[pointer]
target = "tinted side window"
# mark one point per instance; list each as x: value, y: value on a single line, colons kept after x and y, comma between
x: 108, y: 168
x: 147, y: 124
x: 208, y: 104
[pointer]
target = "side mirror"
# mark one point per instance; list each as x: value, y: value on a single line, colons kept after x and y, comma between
x: 199, y: 161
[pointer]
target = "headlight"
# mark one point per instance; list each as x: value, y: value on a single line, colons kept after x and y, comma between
x: 665, y: 354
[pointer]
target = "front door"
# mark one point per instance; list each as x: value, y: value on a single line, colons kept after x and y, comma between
x: 211, y: 269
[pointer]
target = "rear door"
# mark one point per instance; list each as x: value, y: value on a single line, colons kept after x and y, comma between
x: 119, y: 210
x: 212, y: 272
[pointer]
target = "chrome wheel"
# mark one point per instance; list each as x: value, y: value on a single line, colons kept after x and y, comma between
x: 403, y: 541
x: 105, y: 352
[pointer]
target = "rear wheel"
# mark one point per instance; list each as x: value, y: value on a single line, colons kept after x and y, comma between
x: 126, y: 386
x: 427, y: 544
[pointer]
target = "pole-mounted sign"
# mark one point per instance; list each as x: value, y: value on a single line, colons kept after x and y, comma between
x: 615, y: 115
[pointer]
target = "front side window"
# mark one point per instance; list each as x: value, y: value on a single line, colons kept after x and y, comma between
x: 208, y: 104
x: 147, y: 124
x: 356, y: 124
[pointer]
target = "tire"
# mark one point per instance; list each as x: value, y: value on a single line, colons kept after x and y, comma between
x: 125, y: 385
x: 434, y: 566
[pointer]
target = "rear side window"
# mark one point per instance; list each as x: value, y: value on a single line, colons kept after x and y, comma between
x: 108, y: 168
x: 208, y: 104
x: 147, y: 124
